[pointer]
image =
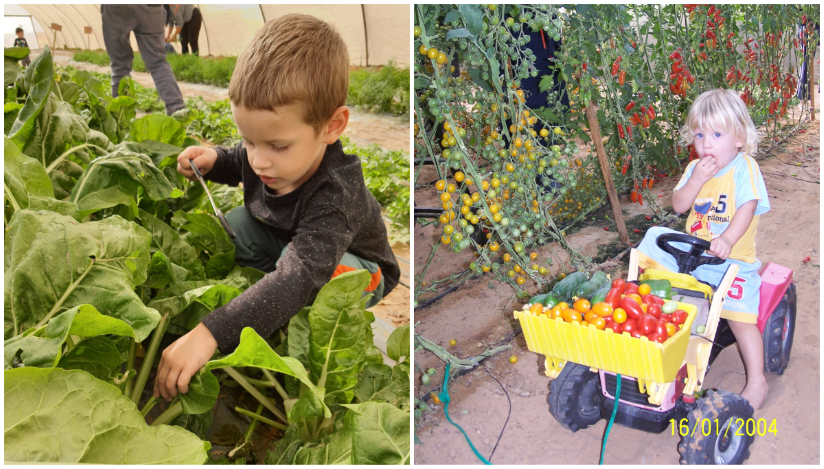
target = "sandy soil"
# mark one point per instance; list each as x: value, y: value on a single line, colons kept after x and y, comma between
x: 387, y: 131
x: 480, y: 314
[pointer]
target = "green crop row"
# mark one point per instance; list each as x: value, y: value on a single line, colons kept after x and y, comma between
x: 375, y: 89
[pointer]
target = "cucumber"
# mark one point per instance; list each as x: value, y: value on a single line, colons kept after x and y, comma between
x: 564, y: 289
x: 601, y: 295
x: 588, y: 289
x: 548, y: 299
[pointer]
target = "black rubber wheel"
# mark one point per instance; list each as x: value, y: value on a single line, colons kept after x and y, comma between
x: 574, y: 399
x: 778, y: 334
x: 727, y: 441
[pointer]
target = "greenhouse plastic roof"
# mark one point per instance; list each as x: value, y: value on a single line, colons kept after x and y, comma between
x: 375, y: 34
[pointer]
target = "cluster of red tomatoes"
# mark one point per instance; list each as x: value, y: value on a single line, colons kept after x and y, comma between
x: 628, y: 307
x: 680, y: 78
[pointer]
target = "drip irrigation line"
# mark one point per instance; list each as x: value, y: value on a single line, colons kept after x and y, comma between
x: 429, y: 302
x: 509, y: 412
x: 460, y: 373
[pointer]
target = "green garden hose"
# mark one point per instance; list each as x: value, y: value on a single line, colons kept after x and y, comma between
x: 612, y: 418
x: 444, y: 397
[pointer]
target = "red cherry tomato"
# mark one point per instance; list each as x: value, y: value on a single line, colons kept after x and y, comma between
x: 661, y: 328
x: 619, y: 284
x: 631, y: 288
x: 654, y: 310
x: 614, y: 297
x: 632, y: 308
x: 652, y: 299
x: 636, y: 333
x: 646, y: 324
x: 617, y: 328
x: 629, y: 326
x: 657, y: 338
x: 679, y: 317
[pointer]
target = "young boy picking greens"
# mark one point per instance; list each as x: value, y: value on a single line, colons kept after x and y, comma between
x: 307, y: 214
x: 725, y: 194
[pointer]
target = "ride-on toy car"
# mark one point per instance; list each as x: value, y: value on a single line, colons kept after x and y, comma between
x: 660, y: 383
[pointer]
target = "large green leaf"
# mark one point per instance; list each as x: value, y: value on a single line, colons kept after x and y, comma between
x: 98, y: 356
x: 23, y: 176
x: 56, y: 264
x: 379, y: 382
x: 206, y: 233
x: 59, y: 416
x: 11, y: 71
x: 10, y: 111
x: 380, y: 433
x: 335, y: 448
x: 159, y: 128
x: 16, y: 53
x: 122, y: 110
x: 53, y: 205
x: 211, y: 299
x: 157, y: 151
x: 162, y: 272
x: 339, y: 336
x: 179, y: 252
x: 253, y: 351
x: 41, y: 347
x: 285, y: 449
x: 397, y: 345
x: 114, y: 178
x: 174, y: 300
x: 57, y: 129
x: 39, y: 80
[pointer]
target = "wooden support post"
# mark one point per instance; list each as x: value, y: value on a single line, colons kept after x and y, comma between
x: 605, y: 168
x: 811, y: 76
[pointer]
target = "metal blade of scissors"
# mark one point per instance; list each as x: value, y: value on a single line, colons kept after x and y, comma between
x: 214, y: 206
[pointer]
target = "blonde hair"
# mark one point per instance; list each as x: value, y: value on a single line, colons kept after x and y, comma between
x: 295, y: 59
x: 722, y: 110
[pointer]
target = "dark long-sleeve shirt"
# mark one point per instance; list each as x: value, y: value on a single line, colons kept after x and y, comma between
x: 331, y: 213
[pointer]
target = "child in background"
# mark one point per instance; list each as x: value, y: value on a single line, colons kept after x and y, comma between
x: 725, y: 194
x: 21, y: 42
x: 307, y: 215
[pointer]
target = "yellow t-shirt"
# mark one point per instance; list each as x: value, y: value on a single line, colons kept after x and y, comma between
x: 713, y: 209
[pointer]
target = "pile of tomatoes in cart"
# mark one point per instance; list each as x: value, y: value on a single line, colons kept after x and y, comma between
x: 637, y: 309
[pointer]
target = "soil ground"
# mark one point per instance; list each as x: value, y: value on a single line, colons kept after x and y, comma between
x: 479, y: 314
x: 364, y: 129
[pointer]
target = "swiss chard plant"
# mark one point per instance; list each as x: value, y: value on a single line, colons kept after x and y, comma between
x: 107, y: 250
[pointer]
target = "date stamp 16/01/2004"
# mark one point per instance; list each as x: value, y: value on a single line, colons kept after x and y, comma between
x: 732, y: 427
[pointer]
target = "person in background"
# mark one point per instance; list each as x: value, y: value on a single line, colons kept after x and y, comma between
x: 168, y: 27
x: 20, y: 41
x: 147, y: 23
x: 808, y: 32
x: 187, y: 24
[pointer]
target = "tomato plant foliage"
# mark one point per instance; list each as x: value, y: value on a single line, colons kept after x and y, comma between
x: 107, y: 249
x: 513, y: 176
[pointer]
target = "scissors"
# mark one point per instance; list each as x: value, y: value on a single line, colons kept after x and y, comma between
x: 217, y: 210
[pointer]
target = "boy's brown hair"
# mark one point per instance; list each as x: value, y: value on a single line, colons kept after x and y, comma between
x: 293, y: 59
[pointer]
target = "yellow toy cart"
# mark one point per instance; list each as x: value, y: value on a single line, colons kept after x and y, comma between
x: 660, y: 383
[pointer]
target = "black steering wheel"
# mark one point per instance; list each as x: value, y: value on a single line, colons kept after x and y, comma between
x: 687, y: 260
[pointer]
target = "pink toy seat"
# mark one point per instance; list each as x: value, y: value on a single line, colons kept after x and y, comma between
x: 775, y: 279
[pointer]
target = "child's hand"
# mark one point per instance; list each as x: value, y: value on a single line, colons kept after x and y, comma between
x: 181, y: 360
x: 705, y: 169
x: 204, y: 159
x: 720, y: 247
